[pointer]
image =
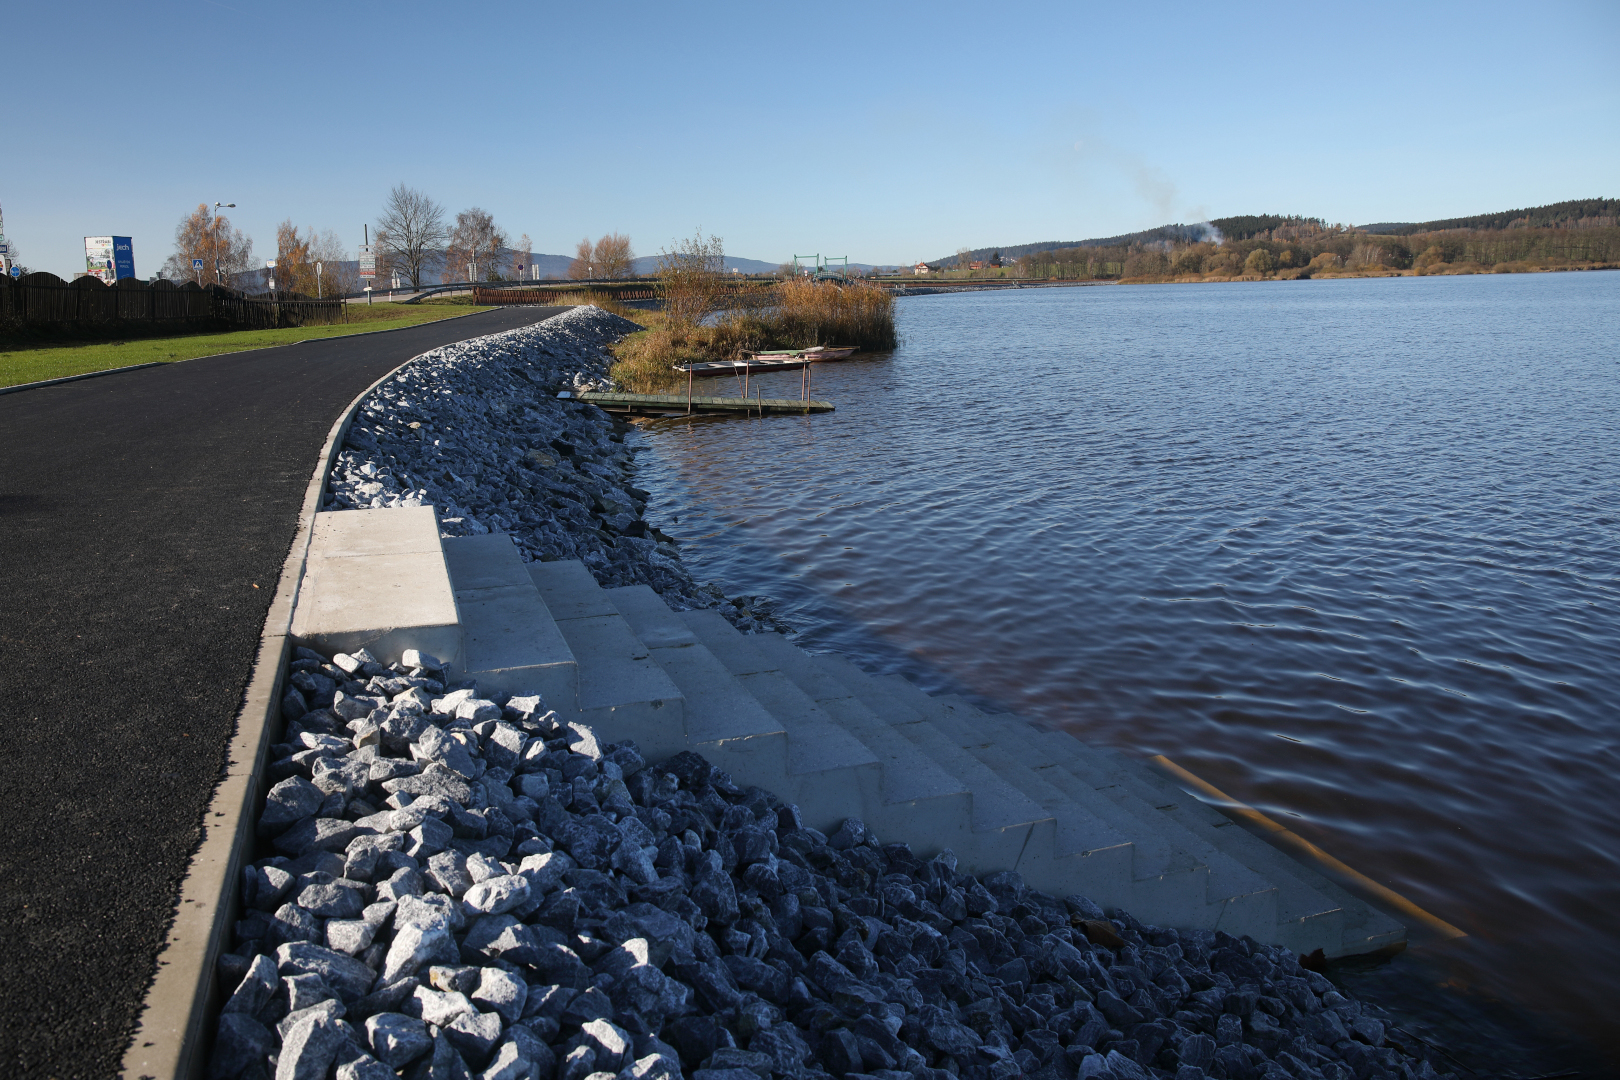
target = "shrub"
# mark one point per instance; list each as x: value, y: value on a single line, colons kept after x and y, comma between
x: 1259, y: 262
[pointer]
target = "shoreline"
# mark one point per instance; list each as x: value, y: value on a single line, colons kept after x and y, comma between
x: 1085, y: 990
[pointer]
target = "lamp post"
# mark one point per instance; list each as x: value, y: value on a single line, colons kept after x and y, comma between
x: 270, y: 265
x: 318, y: 294
x: 219, y: 276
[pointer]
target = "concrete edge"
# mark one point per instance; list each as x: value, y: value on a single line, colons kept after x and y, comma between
x: 75, y: 378
x: 170, y: 1036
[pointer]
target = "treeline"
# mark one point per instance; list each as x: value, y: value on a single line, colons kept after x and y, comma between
x: 1309, y: 249
x: 1573, y: 214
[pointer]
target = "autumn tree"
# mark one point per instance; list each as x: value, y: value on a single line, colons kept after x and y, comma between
x: 202, y: 234
x: 477, y: 248
x: 1259, y: 262
x: 612, y: 257
x: 584, y: 254
x: 414, y: 228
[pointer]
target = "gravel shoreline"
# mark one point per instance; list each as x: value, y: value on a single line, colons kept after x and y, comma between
x: 476, y: 430
x: 458, y: 886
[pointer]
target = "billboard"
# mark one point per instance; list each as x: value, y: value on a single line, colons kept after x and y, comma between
x: 368, y: 262
x: 109, y: 257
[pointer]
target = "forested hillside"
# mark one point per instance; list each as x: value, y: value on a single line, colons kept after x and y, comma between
x: 1577, y: 233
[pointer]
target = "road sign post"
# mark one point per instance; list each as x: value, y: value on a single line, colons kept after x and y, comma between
x: 196, y: 268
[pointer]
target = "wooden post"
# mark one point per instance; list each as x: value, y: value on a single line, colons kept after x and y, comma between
x: 689, y: 388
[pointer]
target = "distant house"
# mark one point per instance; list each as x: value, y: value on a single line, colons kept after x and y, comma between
x: 921, y: 269
x: 975, y: 265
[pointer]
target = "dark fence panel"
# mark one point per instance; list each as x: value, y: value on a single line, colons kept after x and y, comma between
x: 45, y: 300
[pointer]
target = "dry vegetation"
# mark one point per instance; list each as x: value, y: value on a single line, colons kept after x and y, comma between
x: 708, y: 316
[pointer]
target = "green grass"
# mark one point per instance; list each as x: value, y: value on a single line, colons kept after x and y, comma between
x: 31, y: 362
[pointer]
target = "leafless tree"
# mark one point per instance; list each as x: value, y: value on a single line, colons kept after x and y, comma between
x: 414, y: 226
x: 584, y: 255
x: 523, y: 257
x: 691, y: 278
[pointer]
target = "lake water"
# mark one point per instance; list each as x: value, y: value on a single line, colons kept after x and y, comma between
x: 1346, y: 549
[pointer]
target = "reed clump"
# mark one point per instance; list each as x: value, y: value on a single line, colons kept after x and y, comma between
x: 794, y: 314
x: 806, y: 313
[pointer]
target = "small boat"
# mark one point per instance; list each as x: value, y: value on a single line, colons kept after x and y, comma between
x: 771, y: 360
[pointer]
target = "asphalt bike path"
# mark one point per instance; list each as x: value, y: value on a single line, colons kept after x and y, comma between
x: 144, y: 520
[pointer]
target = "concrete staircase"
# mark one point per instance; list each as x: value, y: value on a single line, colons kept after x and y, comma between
x: 818, y: 731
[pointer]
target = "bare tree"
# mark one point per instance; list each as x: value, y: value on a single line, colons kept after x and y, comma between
x: 339, y: 270
x: 414, y: 226
x: 202, y: 234
x: 523, y: 257
x: 613, y: 257
x: 584, y: 254
x: 691, y: 278
x: 476, y: 247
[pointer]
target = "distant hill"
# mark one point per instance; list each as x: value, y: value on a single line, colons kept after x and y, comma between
x: 1572, y: 214
x: 1230, y: 228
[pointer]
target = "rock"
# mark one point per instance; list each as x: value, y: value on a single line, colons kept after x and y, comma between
x: 436, y: 1007
x: 350, y: 936
x: 309, y: 1047
x: 256, y: 988
x: 397, y: 1039
x: 348, y: 976
x: 332, y: 901
x: 364, y: 1068
x: 500, y: 992
x: 242, y: 1048
x: 508, y: 1064
x: 415, y: 945
x: 496, y: 896
x: 474, y: 1035
x: 415, y: 658
x: 287, y: 803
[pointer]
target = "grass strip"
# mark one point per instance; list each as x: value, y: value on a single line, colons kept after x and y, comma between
x: 25, y: 362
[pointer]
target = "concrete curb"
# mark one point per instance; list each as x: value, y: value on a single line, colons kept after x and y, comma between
x: 75, y: 378
x: 170, y: 1038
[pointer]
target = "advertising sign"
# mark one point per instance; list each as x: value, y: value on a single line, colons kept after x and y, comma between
x: 368, y: 261
x: 109, y: 257
x: 5, y: 246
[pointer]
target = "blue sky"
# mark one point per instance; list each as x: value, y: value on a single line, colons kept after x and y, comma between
x: 885, y: 131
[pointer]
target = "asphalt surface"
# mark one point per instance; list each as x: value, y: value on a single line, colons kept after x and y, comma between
x: 144, y: 521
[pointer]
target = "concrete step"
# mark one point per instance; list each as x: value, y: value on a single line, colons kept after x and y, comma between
x: 1089, y: 855
x: 510, y: 643
x: 1235, y: 898
x: 375, y: 580
x: 917, y: 799
x: 623, y: 693
x: 831, y: 775
x: 724, y: 722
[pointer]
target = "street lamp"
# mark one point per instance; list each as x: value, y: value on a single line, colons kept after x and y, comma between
x: 219, y: 275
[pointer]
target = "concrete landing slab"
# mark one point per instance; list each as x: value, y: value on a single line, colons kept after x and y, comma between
x: 376, y: 580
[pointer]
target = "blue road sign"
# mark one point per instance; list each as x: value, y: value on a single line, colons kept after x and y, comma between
x: 16, y: 271
x: 196, y: 264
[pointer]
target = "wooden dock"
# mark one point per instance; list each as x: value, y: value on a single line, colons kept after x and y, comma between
x: 681, y: 404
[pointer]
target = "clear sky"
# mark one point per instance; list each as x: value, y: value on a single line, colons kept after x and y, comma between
x: 885, y: 131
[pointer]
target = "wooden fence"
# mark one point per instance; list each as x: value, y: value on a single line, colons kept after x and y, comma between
x: 39, y: 301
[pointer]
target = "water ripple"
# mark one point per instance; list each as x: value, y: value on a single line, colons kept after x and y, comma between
x: 1346, y: 549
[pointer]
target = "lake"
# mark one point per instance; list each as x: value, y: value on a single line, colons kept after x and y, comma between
x: 1345, y: 549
